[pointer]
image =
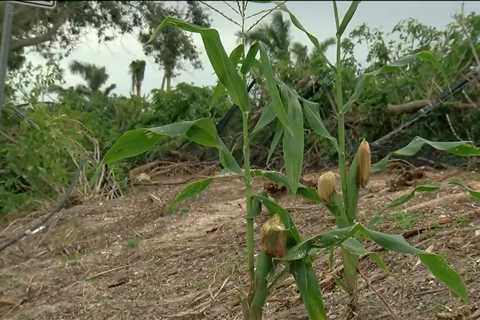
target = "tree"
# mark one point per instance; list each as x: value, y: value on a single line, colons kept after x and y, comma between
x: 94, y: 76
x: 275, y: 36
x: 137, y: 71
x: 61, y: 27
x: 300, y: 52
x: 172, y: 47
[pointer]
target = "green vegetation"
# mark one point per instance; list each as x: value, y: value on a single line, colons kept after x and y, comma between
x: 270, y: 92
x: 281, y: 241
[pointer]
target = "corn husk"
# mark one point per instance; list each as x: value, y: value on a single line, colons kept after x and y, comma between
x: 326, y: 186
x: 274, y: 237
x: 364, y: 164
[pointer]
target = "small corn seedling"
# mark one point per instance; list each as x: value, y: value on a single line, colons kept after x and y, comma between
x: 281, y: 242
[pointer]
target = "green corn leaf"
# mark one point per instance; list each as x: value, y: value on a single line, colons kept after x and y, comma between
x: 250, y: 58
x: 263, y: 267
x: 256, y: 206
x: 130, y: 144
x: 459, y: 148
x: 434, y: 263
x: 474, y: 194
x: 236, y: 54
x: 348, y: 16
x: 329, y: 239
x: 191, y: 190
x: 390, y: 242
x: 352, y: 194
x: 310, y: 36
x: 337, y: 208
x: 266, y: 117
x: 354, y: 247
x: 221, y: 63
x: 201, y: 131
x: 275, y: 141
x: 228, y: 161
x: 310, y: 194
x: 444, y: 273
x: 273, y: 176
x: 218, y: 93
x: 309, y: 288
x: 293, y: 142
x: 277, y: 103
x: 316, y: 123
x: 380, y: 165
x: 407, y: 197
x: 378, y: 260
x: 284, y: 215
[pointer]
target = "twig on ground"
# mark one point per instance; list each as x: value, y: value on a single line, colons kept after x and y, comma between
x: 385, y: 303
x: 106, y: 272
x: 42, y: 224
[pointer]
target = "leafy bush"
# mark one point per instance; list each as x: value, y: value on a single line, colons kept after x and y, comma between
x: 38, y: 160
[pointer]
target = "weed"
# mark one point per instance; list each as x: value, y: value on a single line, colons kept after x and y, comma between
x: 404, y: 220
x: 133, y: 243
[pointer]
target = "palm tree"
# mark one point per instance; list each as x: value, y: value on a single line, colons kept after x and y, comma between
x: 137, y: 71
x: 275, y: 36
x: 94, y: 76
x: 300, y: 52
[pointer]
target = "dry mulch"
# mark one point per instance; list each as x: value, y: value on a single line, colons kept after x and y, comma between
x: 130, y: 258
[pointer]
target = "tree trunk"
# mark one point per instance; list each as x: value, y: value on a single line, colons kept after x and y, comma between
x: 139, y: 88
x: 163, y: 82
x: 415, y: 105
x: 169, y: 83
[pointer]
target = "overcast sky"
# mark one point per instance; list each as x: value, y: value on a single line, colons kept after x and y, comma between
x: 316, y: 16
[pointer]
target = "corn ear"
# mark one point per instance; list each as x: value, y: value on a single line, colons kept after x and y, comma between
x: 274, y: 237
x: 364, y: 164
x: 326, y: 186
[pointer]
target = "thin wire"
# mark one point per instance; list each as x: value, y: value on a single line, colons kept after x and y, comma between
x: 238, y: 5
x: 262, y: 11
x: 220, y: 13
x: 231, y: 7
x: 265, y: 15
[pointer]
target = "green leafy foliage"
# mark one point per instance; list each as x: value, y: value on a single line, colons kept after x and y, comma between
x: 293, y: 142
x: 277, y: 103
x: 264, y: 267
x: 473, y: 193
x: 201, y: 131
x: 434, y: 263
x: 458, y: 148
x: 348, y: 16
x: 221, y: 63
x: 408, y: 196
x: 191, y: 190
x: 309, y: 288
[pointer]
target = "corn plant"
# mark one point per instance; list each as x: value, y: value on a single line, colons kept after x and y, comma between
x: 281, y: 243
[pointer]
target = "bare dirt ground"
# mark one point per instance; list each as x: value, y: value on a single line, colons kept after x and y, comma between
x: 130, y: 259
